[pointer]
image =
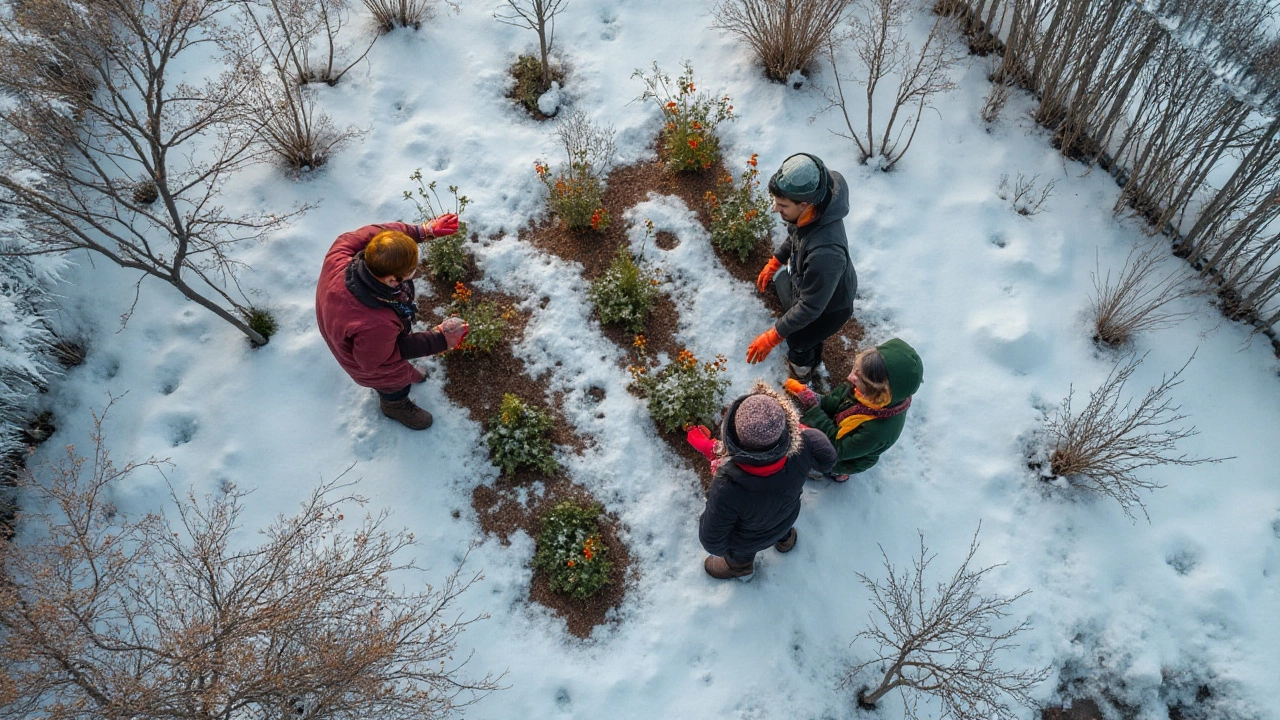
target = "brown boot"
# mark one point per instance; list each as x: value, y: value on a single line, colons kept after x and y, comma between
x: 406, y: 413
x: 787, y: 542
x: 721, y: 569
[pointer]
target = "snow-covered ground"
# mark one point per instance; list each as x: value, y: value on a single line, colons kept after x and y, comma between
x: 994, y: 302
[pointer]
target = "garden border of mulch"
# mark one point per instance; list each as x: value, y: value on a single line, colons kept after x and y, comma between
x: 476, y: 383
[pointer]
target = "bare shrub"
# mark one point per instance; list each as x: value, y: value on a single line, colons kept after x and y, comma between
x: 1026, y: 199
x: 540, y: 17
x: 170, y: 615
x: 786, y: 35
x: 941, y: 641
x: 1102, y: 447
x: 304, y: 34
x: 877, y: 33
x: 131, y: 176
x: 995, y: 101
x: 391, y: 14
x: 1135, y: 301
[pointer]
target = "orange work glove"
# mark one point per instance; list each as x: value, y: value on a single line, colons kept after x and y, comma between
x: 441, y: 225
x: 770, y: 269
x: 760, y: 348
x: 806, y: 397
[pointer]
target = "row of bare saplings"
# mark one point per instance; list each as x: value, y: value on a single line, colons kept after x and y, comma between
x: 1120, y: 90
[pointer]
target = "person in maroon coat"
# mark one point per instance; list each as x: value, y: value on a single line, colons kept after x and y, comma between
x: 365, y: 308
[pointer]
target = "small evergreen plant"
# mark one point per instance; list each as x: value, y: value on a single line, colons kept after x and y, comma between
x: 739, y: 215
x: 487, y: 319
x: 527, y: 71
x: 518, y: 437
x: 262, y: 321
x: 683, y: 393
x: 446, y: 256
x: 688, y: 140
x: 624, y: 295
x: 571, y: 552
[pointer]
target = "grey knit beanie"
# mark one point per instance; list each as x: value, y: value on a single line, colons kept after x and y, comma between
x: 759, y: 422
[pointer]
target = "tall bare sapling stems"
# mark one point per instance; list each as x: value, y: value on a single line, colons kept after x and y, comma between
x: 1102, y: 447
x: 105, y: 151
x: 179, y: 614
x: 540, y: 17
x: 877, y: 34
x: 1136, y: 299
x: 942, y: 640
x: 787, y: 36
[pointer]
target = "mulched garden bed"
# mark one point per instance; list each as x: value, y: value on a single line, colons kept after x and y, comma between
x: 501, y: 513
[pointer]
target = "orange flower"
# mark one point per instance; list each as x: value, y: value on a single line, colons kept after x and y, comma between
x: 686, y: 358
x: 461, y: 294
x: 672, y: 106
x: 750, y: 215
x: 570, y: 563
x: 752, y: 161
x: 693, y: 144
x: 671, y: 126
x: 696, y: 125
x: 588, y: 548
x: 690, y: 87
x: 597, y: 218
x: 640, y: 341
x: 706, y: 165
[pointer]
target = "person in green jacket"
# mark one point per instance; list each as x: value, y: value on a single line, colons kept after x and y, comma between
x: 864, y: 416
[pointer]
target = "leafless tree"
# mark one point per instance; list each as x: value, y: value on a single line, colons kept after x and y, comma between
x: 1136, y: 300
x: 941, y: 641
x: 104, y: 616
x: 877, y: 33
x: 786, y: 35
x: 304, y: 34
x: 540, y: 17
x: 391, y: 14
x: 1102, y: 447
x: 1025, y: 198
x: 105, y: 150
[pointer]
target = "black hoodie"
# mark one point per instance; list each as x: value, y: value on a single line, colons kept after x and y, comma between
x: 822, y: 276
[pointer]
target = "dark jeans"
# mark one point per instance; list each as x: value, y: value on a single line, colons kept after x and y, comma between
x: 804, y: 346
x: 395, y: 395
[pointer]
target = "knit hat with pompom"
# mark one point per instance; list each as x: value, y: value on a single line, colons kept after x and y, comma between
x: 759, y: 422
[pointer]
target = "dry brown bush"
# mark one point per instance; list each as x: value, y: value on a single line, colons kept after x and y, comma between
x: 391, y: 14
x: 176, y: 615
x: 786, y: 35
x: 1101, y: 448
x: 1136, y: 300
x: 940, y: 641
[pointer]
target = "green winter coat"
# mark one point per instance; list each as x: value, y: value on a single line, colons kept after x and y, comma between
x: 861, y: 448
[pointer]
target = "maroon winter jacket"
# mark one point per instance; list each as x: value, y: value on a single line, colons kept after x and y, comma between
x: 367, y: 341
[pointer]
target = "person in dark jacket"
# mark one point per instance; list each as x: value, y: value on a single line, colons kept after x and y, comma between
x: 365, y: 309
x: 811, y: 273
x: 764, y: 458
x: 864, y: 416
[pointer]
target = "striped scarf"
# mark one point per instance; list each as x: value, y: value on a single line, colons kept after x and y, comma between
x: 850, y: 418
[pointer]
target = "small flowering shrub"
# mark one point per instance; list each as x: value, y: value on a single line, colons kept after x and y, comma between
x: 576, y: 188
x: 570, y: 551
x: 446, y: 256
x: 518, y: 437
x: 488, y: 321
x: 688, y: 139
x: 739, y: 215
x: 625, y: 293
x: 683, y: 393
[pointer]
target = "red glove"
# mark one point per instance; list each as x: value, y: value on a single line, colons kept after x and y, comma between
x: 700, y: 438
x: 454, y: 330
x: 806, y: 397
x: 760, y: 348
x: 770, y: 269
x: 441, y: 225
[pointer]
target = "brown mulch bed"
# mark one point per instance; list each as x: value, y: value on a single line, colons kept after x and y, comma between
x: 1079, y: 710
x: 501, y: 514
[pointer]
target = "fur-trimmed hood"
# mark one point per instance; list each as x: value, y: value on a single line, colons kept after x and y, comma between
x: 789, y: 445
